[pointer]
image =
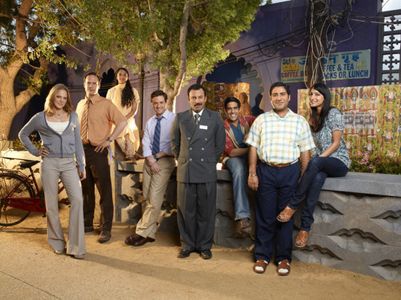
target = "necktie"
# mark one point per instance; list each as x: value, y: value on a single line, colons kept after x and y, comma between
x: 197, y: 117
x: 156, y: 138
x: 84, y: 123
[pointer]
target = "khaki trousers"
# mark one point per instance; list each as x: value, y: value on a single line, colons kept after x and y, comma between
x: 154, y: 189
x: 53, y: 169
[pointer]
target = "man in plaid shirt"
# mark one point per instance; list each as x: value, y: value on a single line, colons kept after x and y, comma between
x: 280, y: 142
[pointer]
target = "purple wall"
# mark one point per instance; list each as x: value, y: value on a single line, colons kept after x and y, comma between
x: 280, y: 30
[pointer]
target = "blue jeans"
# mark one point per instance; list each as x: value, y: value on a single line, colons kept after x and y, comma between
x: 311, y: 184
x: 276, y: 186
x: 238, y: 167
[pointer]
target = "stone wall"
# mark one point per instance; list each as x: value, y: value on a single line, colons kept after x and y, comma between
x: 357, y: 222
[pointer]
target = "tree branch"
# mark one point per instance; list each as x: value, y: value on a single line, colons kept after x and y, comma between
x: 21, y: 39
x: 24, y: 96
x: 183, y: 49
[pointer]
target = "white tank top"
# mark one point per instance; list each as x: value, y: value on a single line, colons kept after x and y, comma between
x: 58, y: 127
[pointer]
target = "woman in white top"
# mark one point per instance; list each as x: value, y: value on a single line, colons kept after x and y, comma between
x: 126, y: 98
x: 62, y: 159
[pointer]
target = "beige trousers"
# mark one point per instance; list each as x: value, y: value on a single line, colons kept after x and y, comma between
x: 154, y: 189
x: 53, y: 169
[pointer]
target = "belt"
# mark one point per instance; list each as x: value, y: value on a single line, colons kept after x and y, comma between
x: 274, y: 165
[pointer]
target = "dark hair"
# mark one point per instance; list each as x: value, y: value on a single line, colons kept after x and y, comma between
x: 127, y: 95
x: 258, y: 98
x: 196, y: 87
x: 158, y: 93
x: 92, y: 74
x: 317, y: 120
x: 279, y: 84
x: 231, y: 99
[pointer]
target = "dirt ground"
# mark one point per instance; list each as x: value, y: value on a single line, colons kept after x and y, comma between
x: 30, y: 270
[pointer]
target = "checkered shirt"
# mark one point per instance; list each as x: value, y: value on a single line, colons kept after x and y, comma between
x: 280, y: 140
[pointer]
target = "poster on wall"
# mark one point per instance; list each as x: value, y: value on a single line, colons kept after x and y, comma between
x: 217, y: 92
x: 337, y: 66
x: 372, y: 117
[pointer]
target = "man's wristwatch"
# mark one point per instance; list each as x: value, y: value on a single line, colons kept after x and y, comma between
x: 252, y: 174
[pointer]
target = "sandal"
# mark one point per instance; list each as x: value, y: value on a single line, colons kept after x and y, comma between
x: 260, y: 266
x: 302, y: 239
x: 286, y: 214
x: 283, y: 267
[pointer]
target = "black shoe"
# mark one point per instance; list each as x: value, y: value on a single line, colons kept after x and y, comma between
x: 89, y: 229
x: 142, y: 241
x: 206, y: 254
x: 132, y: 239
x: 104, y: 237
x: 184, y: 253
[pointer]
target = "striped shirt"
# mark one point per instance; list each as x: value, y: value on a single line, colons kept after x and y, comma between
x: 280, y: 140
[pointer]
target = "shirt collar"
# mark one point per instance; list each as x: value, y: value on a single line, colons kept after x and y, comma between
x: 199, y: 113
x: 94, y: 99
x: 162, y: 116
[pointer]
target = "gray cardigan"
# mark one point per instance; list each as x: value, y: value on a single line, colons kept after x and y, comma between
x: 68, y: 144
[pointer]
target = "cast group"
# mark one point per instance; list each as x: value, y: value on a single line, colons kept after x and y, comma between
x: 278, y: 154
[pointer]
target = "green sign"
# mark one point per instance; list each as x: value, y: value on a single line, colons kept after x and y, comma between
x: 337, y: 66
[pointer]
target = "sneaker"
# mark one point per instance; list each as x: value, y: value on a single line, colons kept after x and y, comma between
x: 104, y: 237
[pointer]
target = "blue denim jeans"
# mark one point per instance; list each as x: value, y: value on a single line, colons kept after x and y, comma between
x: 238, y: 167
x: 311, y: 184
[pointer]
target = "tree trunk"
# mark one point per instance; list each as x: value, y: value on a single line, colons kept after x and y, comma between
x: 7, y: 105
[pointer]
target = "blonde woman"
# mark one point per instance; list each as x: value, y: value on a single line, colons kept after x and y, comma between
x: 62, y: 159
x: 126, y: 98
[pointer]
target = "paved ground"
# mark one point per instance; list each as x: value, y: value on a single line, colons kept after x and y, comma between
x: 30, y: 270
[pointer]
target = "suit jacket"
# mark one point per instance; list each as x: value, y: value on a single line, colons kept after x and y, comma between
x: 198, y: 148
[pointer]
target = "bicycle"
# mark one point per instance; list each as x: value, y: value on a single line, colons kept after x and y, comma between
x: 20, y: 194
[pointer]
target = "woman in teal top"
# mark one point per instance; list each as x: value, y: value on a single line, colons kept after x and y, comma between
x: 331, y: 159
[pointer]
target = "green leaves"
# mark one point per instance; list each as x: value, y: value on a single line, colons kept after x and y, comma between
x: 150, y: 30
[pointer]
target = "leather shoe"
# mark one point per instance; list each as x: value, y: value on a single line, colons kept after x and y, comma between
x: 143, y: 241
x: 131, y: 240
x: 184, y: 253
x: 104, y: 237
x: 206, y: 254
x: 89, y: 229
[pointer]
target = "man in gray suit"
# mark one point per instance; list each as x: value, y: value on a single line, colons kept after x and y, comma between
x: 198, y: 141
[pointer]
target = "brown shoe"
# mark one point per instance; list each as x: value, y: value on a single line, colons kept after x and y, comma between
x: 286, y: 214
x: 302, y: 239
x: 104, y: 237
x: 260, y: 266
x: 283, y: 267
x: 243, y: 227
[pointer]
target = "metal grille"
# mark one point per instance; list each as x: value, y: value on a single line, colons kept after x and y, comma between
x: 388, y: 67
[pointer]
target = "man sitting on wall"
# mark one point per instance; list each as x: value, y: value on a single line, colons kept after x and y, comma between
x: 236, y: 161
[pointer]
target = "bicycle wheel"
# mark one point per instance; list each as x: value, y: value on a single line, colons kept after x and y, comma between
x: 14, y: 191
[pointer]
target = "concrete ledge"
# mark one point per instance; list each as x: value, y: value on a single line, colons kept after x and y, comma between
x: 357, y: 221
x: 366, y: 183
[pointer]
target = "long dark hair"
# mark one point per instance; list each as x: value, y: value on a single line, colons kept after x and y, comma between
x: 317, y: 120
x: 127, y: 95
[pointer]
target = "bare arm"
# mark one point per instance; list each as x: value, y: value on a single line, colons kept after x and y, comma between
x: 253, y: 180
x: 304, y: 158
x: 238, y: 152
x: 336, y: 138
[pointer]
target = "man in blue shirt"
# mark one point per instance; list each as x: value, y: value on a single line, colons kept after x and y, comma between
x: 159, y: 164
